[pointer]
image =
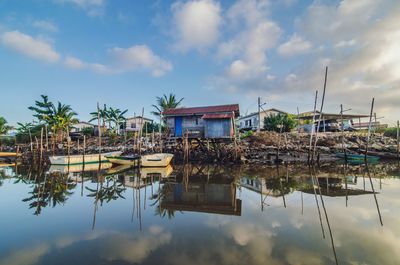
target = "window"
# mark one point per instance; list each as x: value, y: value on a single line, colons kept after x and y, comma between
x: 133, y: 125
x: 197, y: 121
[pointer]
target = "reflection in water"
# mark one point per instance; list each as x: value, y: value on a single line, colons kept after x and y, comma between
x: 211, y: 214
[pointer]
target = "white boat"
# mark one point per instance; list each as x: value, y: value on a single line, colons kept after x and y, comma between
x: 77, y: 168
x: 79, y: 159
x: 124, y: 160
x: 156, y: 160
x: 158, y: 172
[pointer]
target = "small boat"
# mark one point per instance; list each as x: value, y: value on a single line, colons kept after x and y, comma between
x: 9, y: 154
x: 156, y: 160
x: 118, y: 169
x: 157, y: 172
x: 124, y: 160
x: 357, y: 157
x: 78, y: 168
x: 79, y: 159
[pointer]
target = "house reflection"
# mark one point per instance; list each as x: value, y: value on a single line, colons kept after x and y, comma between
x: 199, y: 190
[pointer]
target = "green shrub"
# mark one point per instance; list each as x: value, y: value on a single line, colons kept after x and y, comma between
x: 88, y: 131
x: 273, y: 122
x: 246, y: 134
x: 390, y: 132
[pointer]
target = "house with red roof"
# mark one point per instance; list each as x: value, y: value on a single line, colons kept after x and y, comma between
x: 215, y: 122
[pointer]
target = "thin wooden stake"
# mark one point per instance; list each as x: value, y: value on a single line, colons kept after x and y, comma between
x: 369, y: 129
x: 99, y: 130
x: 320, y: 112
x: 398, y: 142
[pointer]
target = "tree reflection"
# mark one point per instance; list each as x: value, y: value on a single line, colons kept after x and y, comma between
x: 49, y: 191
x: 111, y: 189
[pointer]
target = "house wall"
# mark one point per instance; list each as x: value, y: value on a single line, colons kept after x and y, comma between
x: 134, y: 124
x: 79, y: 126
x: 199, y: 128
x: 244, y: 123
x: 218, y: 128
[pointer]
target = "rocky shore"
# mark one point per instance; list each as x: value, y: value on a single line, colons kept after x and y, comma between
x: 258, y: 148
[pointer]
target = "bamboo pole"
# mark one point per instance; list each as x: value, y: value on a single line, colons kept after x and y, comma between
x: 369, y: 129
x: 99, y: 130
x: 41, y: 144
x: 320, y: 112
x: 140, y: 132
x: 68, y: 146
x: 313, y: 125
x: 30, y: 138
x: 47, y: 139
x: 398, y: 142
x: 342, y: 130
x: 161, y: 143
x: 84, y: 149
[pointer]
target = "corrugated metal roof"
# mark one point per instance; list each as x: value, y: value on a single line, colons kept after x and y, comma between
x: 217, y: 116
x: 203, y: 110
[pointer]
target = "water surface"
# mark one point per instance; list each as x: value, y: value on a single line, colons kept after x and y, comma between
x: 200, y: 215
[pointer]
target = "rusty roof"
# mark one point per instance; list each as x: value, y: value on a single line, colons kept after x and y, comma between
x: 203, y: 110
x: 217, y: 116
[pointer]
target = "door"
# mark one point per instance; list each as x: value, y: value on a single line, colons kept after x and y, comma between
x: 178, y: 126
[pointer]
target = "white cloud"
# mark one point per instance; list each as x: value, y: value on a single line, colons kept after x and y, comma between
x: 29, y: 46
x: 74, y: 63
x: 196, y: 24
x: 138, y: 57
x: 245, y: 50
x: 294, y: 46
x: 45, y: 25
x: 122, y: 60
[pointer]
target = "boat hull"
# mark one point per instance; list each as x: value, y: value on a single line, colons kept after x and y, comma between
x: 79, y: 159
x: 156, y: 160
x: 123, y: 160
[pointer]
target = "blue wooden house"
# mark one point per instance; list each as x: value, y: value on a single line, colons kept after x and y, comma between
x: 213, y: 122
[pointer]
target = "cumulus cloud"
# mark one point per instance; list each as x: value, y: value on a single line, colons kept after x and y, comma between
x: 295, y: 45
x: 245, y: 50
x: 45, y: 25
x: 137, y: 57
x: 196, y: 24
x: 33, y: 47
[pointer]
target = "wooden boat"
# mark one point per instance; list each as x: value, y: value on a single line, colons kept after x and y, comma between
x: 156, y: 172
x: 156, y: 160
x: 9, y: 154
x: 78, y: 159
x: 357, y: 157
x: 118, y: 169
x: 79, y: 167
x: 124, y: 160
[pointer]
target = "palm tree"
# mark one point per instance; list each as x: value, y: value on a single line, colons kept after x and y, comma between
x: 59, y: 118
x: 42, y: 109
x: 117, y: 117
x: 62, y: 118
x: 165, y: 103
x: 104, y: 116
x: 4, y: 128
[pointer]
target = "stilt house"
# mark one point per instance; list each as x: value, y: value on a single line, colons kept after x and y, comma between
x: 215, y: 122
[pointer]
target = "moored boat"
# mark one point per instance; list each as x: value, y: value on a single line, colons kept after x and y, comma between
x: 9, y: 154
x: 156, y: 160
x: 124, y: 160
x: 357, y: 157
x: 158, y: 172
x: 80, y: 159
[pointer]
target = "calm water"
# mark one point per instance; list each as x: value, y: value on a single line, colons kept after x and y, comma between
x: 200, y: 215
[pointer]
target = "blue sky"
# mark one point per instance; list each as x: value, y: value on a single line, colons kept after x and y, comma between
x: 125, y: 53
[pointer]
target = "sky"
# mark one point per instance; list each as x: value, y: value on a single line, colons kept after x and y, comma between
x: 125, y: 53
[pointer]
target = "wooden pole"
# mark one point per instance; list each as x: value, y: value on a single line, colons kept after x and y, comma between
x: 313, y: 126
x: 141, y: 132
x: 259, y: 115
x: 398, y: 142
x: 41, y: 144
x: 369, y: 129
x: 30, y: 137
x: 68, y: 146
x: 84, y: 149
x: 99, y: 129
x: 320, y: 112
x: 47, y: 139
x: 342, y: 130
x: 161, y: 143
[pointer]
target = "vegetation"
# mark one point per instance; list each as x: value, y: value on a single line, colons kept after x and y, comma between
x: 4, y: 128
x: 88, y: 131
x: 165, y: 103
x: 59, y: 117
x: 246, y: 134
x: 390, y: 132
x: 280, y: 122
x: 113, y: 116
